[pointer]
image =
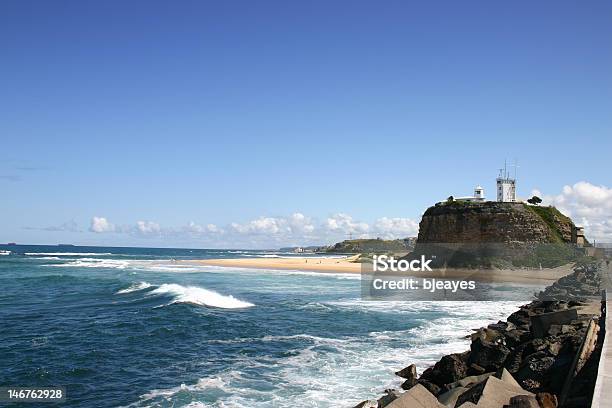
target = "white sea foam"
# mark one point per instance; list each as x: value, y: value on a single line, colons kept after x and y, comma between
x: 68, y: 253
x: 135, y: 287
x: 94, y: 263
x: 167, y: 268
x: 200, y: 296
x: 338, y: 371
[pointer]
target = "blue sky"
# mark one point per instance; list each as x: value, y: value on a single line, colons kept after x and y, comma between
x: 242, y: 114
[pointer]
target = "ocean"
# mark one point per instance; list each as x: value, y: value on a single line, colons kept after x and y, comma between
x: 130, y: 327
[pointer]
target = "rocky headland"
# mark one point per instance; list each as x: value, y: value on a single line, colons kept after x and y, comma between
x: 493, y: 222
x: 545, y: 353
x: 495, y: 235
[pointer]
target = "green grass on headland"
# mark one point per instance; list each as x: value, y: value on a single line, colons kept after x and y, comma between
x: 553, y: 219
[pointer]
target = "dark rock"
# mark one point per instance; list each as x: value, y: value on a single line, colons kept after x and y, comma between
x: 407, y: 372
x: 469, y: 381
x: 540, y: 324
x: 389, y: 397
x: 431, y: 387
x: 515, y: 337
x: 475, y: 369
x: 520, y: 317
x: 535, y: 366
x: 489, y: 356
x: 542, y: 365
x: 408, y: 384
x: 530, y: 385
x: 487, y: 334
x: 472, y: 395
x: 499, y: 326
x: 451, y: 368
x: 546, y: 400
x: 557, y: 329
x: 522, y: 401
x: 554, y: 348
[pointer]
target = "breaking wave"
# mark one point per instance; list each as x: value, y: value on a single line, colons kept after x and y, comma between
x: 67, y: 253
x: 95, y: 263
x: 200, y: 296
x: 135, y: 288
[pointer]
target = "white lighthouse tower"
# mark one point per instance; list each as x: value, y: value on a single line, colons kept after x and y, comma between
x: 506, y: 186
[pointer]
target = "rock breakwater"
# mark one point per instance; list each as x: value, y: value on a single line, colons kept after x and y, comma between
x: 543, y: 355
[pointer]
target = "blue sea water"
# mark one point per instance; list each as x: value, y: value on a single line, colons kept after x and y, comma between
x: 136, y: 327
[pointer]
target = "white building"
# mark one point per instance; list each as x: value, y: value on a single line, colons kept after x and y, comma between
x: 506, y: 187
x: 478, y: 196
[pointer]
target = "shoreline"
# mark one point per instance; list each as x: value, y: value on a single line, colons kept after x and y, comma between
x: 346, y: 265
x: 311, y: 264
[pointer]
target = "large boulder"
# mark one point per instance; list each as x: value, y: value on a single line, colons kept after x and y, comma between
x: 451, y: 368
x: 488, y: 355
x: 523, y: 401
x: 546, y: 400
x: 407, y: 372
x: 541, y: 323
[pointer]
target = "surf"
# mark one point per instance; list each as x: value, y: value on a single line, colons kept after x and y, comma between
x: 200, y: 296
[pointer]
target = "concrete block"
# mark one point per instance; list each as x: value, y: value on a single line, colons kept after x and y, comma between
x: 416, y: 397
x: 540, y: 324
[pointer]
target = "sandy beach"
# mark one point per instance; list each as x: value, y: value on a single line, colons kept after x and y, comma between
x: 330, y: 265
x: 346, y: 265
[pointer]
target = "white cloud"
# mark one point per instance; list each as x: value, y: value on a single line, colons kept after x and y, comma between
x: 396, y: 227
x: 296, y: 223
x: 345, y: 223
x: 101, y: 224
x: 261, y: 225
x: 267, y: 232
x: 588, y: 205
x: 194, y: 228
x: 148, y: 227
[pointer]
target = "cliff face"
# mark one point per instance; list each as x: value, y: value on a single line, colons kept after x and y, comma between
x: 493, y: 222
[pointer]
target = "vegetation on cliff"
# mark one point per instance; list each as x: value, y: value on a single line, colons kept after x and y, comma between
x: 560, y: 225
x: 353, y: 246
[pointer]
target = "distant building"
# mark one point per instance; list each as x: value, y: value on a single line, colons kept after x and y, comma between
x: 478, y: 196
x: 506, y: 187
x: 578, y: 236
